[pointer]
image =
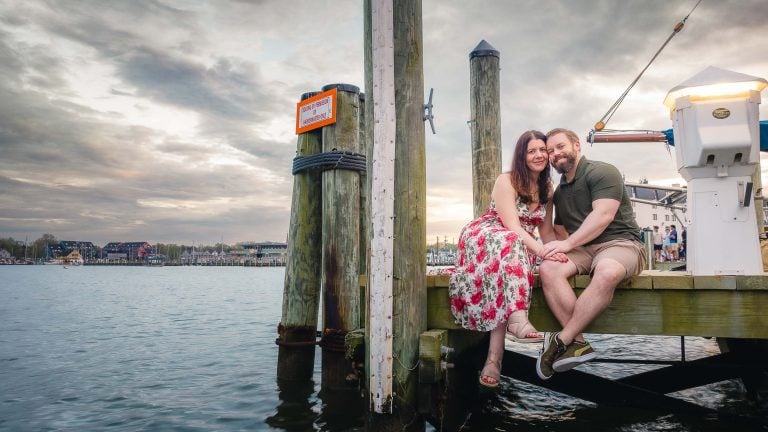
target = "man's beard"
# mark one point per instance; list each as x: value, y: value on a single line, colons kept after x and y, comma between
x: 570, y: 161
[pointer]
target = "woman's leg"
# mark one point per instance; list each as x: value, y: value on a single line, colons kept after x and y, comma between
x: 519, y: 329
x: 491, y: 373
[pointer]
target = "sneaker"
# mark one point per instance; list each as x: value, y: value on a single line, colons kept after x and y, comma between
x: 575, y: 354
x: 552, y: 349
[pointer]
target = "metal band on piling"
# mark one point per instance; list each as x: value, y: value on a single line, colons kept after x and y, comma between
x: 307, y: 333
x: 333, y: 340
x: 342, y: 87
x: 331, y: 160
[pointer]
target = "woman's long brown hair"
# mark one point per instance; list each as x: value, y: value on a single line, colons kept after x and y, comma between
x: 521, y: 179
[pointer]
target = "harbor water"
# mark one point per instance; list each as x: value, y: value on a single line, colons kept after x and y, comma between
x: 193, y: 349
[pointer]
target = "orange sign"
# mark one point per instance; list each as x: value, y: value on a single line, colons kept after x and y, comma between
x: 315, y: 112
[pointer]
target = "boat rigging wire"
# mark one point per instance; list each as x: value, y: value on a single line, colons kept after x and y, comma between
x: 599, y: 126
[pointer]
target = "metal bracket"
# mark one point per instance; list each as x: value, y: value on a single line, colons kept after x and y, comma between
x: 745, y: 193
x: 428, y: 115
x: 591, y: 138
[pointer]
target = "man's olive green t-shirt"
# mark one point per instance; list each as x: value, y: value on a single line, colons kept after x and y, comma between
x: 595, y: 180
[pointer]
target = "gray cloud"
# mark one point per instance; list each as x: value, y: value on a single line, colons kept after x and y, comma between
x: 172, y: 122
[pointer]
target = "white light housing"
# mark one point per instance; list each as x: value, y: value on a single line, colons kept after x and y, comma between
x: 715, y: 83
x: 715, y: 116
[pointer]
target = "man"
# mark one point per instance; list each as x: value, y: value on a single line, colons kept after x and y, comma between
x: 658, y: 241
x: 683, y: 244
x: 599, y: 235
x: 673, y: 243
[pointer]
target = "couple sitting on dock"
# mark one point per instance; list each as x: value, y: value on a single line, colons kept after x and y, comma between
x: 594, y: 232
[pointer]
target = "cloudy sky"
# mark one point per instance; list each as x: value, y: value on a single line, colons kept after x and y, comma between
x: 173, y: 121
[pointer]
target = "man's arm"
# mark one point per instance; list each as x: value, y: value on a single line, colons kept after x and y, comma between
x: 560, y: 232
x: 603, y: 212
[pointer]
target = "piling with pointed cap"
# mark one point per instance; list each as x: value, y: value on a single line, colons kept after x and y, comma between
x: 301, y: 293
x: 485, y: 123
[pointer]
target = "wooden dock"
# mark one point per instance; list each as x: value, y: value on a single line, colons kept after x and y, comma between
x: 652, y: 303
x: 671, y: 303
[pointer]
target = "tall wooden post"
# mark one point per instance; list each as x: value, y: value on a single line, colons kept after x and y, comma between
x: 410, y: 224
x: 397, y: 70
x: 368, y: 131
x: 341, y: 233
x: 484, y: 94
x: 296, y: 355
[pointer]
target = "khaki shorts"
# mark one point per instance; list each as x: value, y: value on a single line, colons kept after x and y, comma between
x: 628, y: 253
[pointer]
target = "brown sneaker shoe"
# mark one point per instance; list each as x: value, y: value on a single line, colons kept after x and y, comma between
x: 575, y: 354
x: 552, y: 349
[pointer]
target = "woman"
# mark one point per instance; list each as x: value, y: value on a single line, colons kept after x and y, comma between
x: 491, y: 284
x: 665, y: 243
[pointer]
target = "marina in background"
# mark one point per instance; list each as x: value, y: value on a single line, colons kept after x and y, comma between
x: 48, y: 250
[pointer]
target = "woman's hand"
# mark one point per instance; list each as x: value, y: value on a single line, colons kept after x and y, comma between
x: 556, y: 247
x: 546, y: 252
x: 559, y: 257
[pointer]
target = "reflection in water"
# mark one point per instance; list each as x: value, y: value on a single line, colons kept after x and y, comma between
x: 343, y: 410
x: 299, y: 410
x: 520, y: 406
x: 295, y: 410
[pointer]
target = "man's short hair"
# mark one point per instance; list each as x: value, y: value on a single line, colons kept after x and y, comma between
x: 571, y: 135
x: 655, y: 227
x: 673, y: 226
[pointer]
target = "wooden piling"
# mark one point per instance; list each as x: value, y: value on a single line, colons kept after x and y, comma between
x: 365, y: 189
x: 409, y: 229
x: 341, y: 233
x: 301, y: 292
x: 485, y: 123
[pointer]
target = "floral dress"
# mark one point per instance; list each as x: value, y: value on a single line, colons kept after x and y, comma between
x: 494, y: 271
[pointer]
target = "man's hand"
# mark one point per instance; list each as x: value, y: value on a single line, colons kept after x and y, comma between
x: 555, y: 247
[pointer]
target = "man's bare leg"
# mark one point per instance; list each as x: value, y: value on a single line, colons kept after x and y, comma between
x: 557, y: 291
x: 595, y: 298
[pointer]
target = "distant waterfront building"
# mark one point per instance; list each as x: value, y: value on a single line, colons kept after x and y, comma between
x: 130, y: 251
x: 63, y: 248
x: 86, y: 249
x: 267, y: 251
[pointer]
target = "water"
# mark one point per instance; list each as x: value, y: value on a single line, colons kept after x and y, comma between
x: 192, y: 348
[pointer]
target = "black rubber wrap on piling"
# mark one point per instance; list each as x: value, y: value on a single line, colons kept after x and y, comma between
x: 333, y: 159
x: 342, y: 87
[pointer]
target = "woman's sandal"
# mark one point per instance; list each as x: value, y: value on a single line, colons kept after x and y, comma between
x: 488, y: 378
x: 525, y: 333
